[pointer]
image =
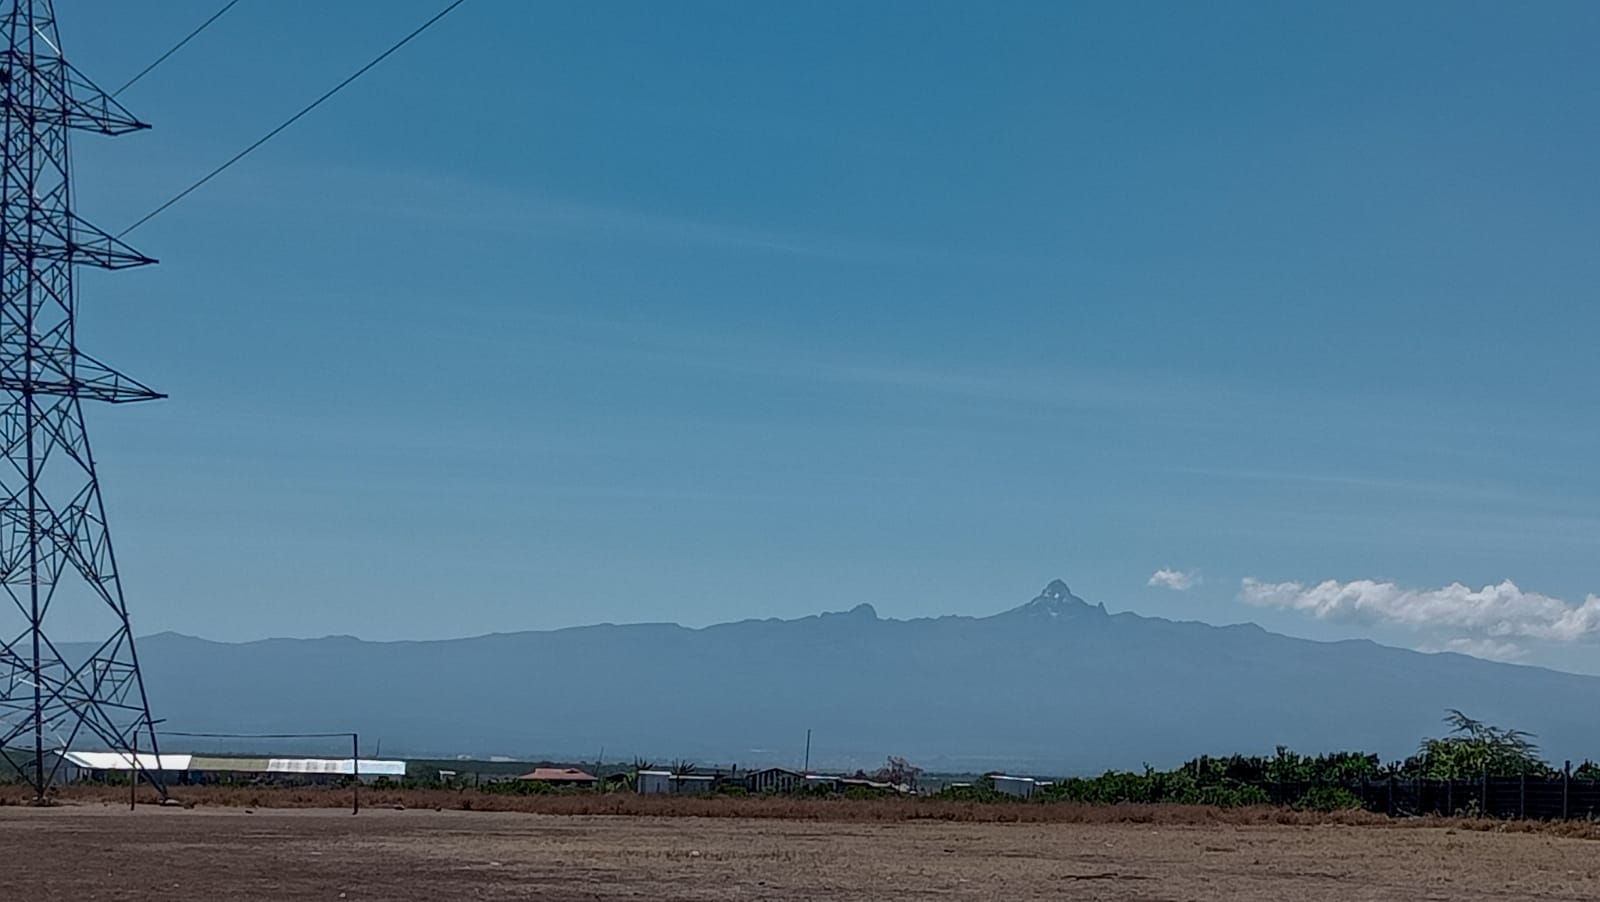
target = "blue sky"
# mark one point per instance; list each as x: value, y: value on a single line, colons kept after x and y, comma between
x: 695, y: 312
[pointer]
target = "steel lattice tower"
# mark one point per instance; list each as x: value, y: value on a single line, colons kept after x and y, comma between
x: 56, y: 564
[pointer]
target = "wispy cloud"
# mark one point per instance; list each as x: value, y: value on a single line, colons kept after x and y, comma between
x: 450, y: 202
x: 1491, y: 620
x: 1489, y: 649
x: 1027, y: 386
x: 1176, y: 580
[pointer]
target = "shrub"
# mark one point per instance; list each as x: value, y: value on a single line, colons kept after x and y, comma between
x: 1236, y: 795
x: 1328, y: 798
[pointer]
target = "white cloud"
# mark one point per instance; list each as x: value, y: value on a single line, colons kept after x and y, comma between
x: 1491, y: 649
x: 1176, y: 580
x: 1454, y: 613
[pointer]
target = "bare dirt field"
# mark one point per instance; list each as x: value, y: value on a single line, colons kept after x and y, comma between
x: 81, y: 852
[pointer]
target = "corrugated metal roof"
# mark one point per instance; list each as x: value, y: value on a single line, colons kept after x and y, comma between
x: 218, y: 763
x: 369, y: 768
x: 558, y: 775
x: 121, y: 761
x: 225, y: 764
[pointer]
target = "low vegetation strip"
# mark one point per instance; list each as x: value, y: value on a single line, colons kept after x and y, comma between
x: 832, y: 810
x: 632, y: 804
x: 1477, y: 770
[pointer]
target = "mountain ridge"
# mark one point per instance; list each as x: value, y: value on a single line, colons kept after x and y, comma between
x: 861, y: 609
x: 1056, y: 685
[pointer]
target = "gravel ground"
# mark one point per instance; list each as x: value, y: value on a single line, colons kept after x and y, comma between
x: 101, y: 852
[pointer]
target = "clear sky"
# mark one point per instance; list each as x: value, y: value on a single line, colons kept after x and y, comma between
x: 577, y: 312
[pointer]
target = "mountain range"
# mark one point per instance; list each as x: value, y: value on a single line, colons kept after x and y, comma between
x: 1055, y: 686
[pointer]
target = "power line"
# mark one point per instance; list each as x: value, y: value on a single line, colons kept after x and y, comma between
x: 175, y: 47
x: 345, y: 735
x: 293, y: 119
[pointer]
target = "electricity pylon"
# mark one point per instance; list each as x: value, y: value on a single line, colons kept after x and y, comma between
x: 56, y: 564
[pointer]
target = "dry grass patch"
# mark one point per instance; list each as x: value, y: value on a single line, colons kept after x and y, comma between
x: 624, y: 804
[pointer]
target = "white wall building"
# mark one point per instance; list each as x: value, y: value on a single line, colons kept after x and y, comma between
x: 1021, y: 787
x: 655, y: 782
x: 663, y: 782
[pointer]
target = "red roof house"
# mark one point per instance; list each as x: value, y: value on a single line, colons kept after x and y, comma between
x: 559, y: 776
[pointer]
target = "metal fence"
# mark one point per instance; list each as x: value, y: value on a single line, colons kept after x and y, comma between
x: 1537, y: 798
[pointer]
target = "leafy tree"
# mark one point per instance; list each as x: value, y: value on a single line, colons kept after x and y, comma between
x: 898, y: 772
x: 1285, y: 766
x: 1473, y: 748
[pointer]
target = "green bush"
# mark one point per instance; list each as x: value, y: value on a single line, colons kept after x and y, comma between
x: 1236, y: 795
x: 1328, y: 798
x: 1154, y: 787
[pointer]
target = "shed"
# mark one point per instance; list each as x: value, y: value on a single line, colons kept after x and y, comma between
x: 96, y: 765
x: 655, y: 782
x: 774, y: 779
x: 209, y: 768
x: 662, y: 782
x: 1021, y: 787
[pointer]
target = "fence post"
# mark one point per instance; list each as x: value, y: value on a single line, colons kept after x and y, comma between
x: 1566, y: 791
x: 1485, y: 797
x: 1450, y: 798
x: 355, y: 773
x: 1522, y: 798
x: 1391, y: 795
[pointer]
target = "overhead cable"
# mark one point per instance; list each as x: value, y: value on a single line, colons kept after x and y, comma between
x: 176, y: 47
x: 293, y: 119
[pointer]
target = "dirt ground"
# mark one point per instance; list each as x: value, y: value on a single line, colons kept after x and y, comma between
x: 102, y: 853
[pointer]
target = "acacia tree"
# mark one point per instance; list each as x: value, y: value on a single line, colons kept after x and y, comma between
x: 1473, y: 748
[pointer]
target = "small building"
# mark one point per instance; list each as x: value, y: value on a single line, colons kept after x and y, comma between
x: 774, y: 779
x: 77, y: 766
x: 823, y: 782
x: 665, y: 782
x: 655, y: 782
x: 1021, y: 787
x: 560, y: 776
x: 198, y: 769
x: 686, y: 784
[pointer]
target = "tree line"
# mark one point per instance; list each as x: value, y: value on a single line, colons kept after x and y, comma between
x: 1469, y: 750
